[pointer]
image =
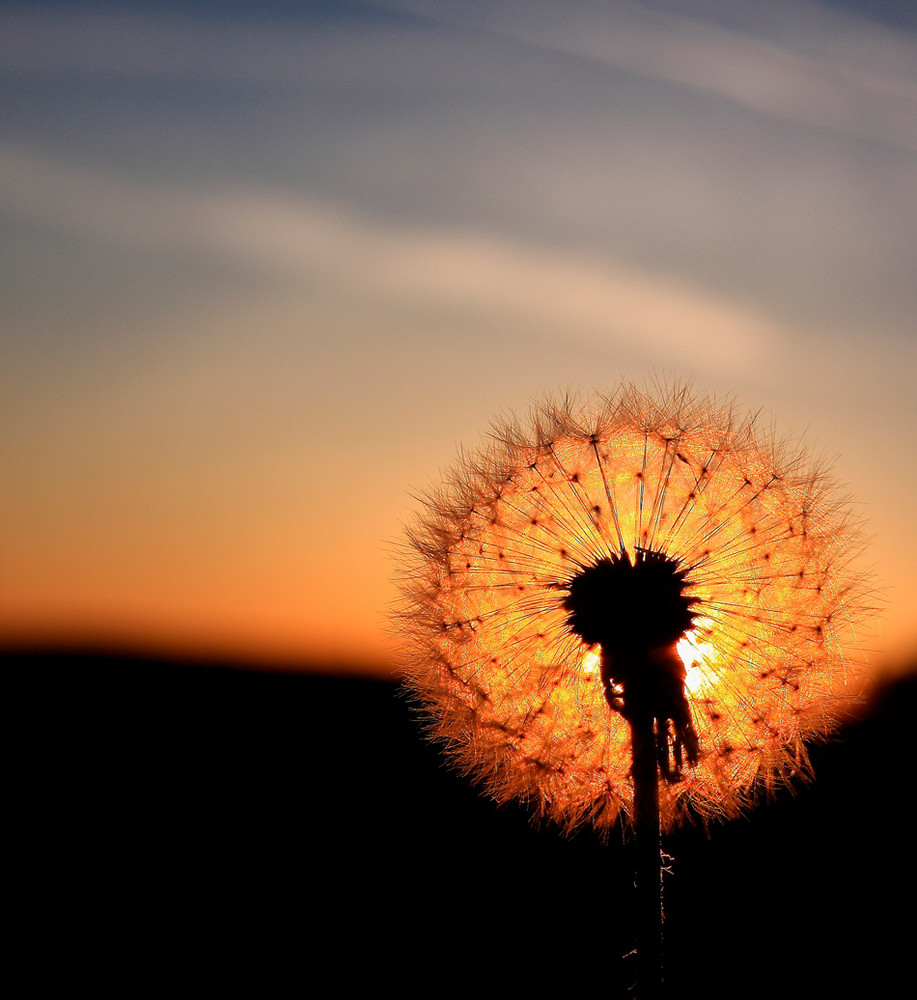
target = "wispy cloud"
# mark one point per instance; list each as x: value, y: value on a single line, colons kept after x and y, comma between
x: 803, y: 64
x: 291, y: 237
x: 810, y: 65
x: 759, y: 158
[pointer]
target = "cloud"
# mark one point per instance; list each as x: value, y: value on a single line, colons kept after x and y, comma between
x: 507, y: 284
x: 802, y: 63
x: 818, y: 68
x: 193, y: 46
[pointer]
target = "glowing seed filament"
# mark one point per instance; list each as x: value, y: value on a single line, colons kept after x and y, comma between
x: 698, y: 658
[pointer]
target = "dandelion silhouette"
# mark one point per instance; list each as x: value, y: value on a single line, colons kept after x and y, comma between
x: 635, y: 610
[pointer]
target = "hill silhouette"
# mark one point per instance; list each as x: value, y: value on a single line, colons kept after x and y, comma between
x: 284, y: 827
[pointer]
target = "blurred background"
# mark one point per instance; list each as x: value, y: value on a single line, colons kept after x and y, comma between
x: 266, y: 266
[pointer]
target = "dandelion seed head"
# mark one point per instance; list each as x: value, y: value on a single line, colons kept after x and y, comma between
x: 652, y: 522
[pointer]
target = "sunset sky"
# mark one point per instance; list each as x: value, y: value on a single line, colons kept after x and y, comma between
x: 266, y: 266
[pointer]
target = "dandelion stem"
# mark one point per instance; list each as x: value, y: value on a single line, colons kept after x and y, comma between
x: 648, y: 853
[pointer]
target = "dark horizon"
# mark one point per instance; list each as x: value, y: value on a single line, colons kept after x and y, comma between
x: 296, y: 824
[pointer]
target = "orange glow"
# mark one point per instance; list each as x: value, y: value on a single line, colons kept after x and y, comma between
x: 517, y: 695
x: 591, y: 660
x: 699, y: 658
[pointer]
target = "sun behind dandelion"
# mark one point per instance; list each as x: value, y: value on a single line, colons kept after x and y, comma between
x: 643, y: 535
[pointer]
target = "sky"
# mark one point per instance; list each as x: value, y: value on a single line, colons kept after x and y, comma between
x: 267, y: 266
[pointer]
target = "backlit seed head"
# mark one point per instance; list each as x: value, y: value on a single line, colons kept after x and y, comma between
x: 640, y: 530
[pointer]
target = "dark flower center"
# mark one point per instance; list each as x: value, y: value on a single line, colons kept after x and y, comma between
x: 629, y: 607
x: 637, y: 611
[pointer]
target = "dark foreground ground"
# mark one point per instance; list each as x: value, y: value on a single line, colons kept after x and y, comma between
x: 191, y: 828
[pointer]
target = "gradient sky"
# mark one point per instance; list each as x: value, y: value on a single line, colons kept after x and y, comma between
x: 266, y: 266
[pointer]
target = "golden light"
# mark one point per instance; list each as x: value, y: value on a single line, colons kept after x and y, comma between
x: 591, y: 660
x: 699, y: 659
x: 758, y: 543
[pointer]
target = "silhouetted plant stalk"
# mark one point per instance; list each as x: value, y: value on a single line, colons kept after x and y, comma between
x: 633, y: 610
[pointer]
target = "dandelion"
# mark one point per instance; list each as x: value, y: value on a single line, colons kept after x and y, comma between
x: 649, y: 554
